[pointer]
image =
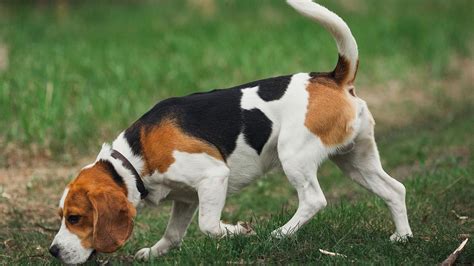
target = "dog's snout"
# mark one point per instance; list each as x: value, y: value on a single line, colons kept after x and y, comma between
x: 54, y: 250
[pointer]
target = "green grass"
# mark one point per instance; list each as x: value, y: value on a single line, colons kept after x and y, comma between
x: 77, y: 78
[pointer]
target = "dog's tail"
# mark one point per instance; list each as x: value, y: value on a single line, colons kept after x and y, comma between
x: 346, y: 68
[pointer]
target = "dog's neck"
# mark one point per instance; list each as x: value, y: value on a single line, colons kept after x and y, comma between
x: 133, y: 194
x: 135, y: 186
x: 154, y: 194
x: 127, y: 165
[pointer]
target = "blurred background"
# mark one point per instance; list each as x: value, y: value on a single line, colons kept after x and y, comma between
x: 73, y: 74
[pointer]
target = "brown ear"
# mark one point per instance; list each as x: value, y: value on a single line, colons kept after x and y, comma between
x: 113, y: 220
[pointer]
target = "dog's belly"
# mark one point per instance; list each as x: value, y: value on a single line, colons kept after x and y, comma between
x: 246, y: 164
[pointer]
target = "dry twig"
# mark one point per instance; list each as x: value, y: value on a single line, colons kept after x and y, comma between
x: 452, y: 258
x: 325, y: 252
x: 459, y: 216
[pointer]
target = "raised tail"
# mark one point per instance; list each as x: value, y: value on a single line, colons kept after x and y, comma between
x: 346, y: 68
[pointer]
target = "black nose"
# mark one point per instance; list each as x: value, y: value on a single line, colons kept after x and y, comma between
x: 54, y: 250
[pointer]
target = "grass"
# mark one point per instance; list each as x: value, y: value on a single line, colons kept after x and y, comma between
x: 78, y: 75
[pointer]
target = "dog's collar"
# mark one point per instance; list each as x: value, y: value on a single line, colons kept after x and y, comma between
x: 126, y: 163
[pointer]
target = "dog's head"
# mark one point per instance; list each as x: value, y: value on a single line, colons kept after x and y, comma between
x: 95, y: 215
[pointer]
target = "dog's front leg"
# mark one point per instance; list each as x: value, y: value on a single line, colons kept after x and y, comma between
x: 181, y: 215
x: 212, y: 194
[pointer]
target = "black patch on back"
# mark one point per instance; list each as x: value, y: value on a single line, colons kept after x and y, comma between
x: 132, y: 135
x: 215, y: 116
x: 273, y: 89
x: 111, y: 170
x: 257, y: 128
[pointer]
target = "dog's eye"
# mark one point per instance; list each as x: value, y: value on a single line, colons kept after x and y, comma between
x: 73, y: 219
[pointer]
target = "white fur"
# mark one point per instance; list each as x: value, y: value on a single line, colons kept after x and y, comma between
x: 189, y: 169
x: 63, y: 198
x: 244, y: 164
x: 133, y: 194
x: 346, y: 43
x: 71, y: 249
x: 121, y: 145
x: 181, y: 216
x: 250, y: 99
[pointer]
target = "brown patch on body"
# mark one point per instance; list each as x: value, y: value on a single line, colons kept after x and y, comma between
x: 160, y: 141
x: 330, y: 111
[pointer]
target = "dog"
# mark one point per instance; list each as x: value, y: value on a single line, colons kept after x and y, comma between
x: 196, y: 150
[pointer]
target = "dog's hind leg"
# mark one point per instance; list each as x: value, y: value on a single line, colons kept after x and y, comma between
x: 362, y: 164
x: 181, y: 216
x: 300, y: 160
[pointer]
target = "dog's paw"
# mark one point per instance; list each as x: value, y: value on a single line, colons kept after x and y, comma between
x: 400, y: 238
x: 284, y: 232
x: 279, y: 233
x: 143, y: 254
x: 244, y: 228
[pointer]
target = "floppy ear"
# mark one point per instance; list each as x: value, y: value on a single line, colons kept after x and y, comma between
x: 113, y: 220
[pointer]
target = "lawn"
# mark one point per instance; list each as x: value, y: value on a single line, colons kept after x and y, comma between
x: 74, y: 75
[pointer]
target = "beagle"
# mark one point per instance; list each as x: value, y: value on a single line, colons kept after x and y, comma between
x: 196, y: 150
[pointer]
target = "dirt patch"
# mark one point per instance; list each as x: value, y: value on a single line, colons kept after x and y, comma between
x: 3, y: 57
x: 31, y: 193
x: 206, y: 8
